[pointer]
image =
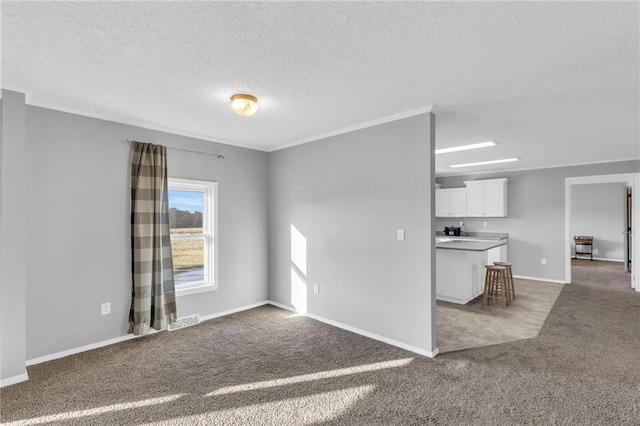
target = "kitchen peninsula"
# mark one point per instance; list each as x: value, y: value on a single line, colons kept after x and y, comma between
x: 460, y: 262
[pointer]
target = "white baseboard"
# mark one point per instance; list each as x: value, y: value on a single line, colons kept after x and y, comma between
x: 126, y: 337
x: 549, y: 280
x: 604, y: 259
x: 85, y: 348
x: 14, y: 379
x: 361, y: 332
x: 281, y: 306
x: 455, y: 300
x: 233, y: 311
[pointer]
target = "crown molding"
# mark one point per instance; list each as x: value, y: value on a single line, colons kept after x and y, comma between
x: 533, y: 168
x: 133, y: 122
x: 382, y: 120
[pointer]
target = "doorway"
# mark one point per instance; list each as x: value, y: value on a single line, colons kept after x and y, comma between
x: 619, y: 240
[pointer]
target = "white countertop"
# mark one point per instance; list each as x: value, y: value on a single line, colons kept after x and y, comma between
x: 470, y: 244
x: 474, y: 235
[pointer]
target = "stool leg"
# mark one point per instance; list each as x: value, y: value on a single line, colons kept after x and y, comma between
x: 508, y: 285
x: 513, y: 286
x: 485, y: 297
x: 494, y: 285
x: 503, y: 288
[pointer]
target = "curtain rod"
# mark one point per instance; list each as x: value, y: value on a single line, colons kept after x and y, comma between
x: 218, y: 156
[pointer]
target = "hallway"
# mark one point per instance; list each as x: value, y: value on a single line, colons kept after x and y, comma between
x: 601, y: 274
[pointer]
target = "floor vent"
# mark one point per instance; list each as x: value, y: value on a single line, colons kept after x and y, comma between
x: 185, y: 322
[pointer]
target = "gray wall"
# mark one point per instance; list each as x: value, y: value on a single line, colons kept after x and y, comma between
x: 13, y: 239
x: 536, y: 221
x: 598, y: 210
x: 78, y: 218
x: 347, y: 196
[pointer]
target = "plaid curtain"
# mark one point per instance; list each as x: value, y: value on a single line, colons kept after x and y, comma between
x: 153, y: 302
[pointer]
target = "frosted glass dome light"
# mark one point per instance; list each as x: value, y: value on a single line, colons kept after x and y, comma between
x: 244, y: 105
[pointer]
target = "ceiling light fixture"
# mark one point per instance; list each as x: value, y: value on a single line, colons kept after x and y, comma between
x: 466, y: 147
x: 244, y: 105
x: 482, y: 163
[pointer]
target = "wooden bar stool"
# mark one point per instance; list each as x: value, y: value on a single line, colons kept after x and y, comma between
x: 495, y: 285
x: 510, y: 284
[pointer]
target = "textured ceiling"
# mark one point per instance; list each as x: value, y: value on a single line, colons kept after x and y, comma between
x: 553, y: 83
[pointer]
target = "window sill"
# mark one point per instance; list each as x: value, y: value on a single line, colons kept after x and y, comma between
x: 195, y: 289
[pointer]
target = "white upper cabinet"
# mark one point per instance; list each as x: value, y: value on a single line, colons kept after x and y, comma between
x: 442, y: 203
x: 475, y: 199
x: 486, y: 198
x: 451, y: 202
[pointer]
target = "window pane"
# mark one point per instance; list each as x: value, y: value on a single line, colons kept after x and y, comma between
x: 191, y: 209
x: 188, y: 260
x: 185, y: 211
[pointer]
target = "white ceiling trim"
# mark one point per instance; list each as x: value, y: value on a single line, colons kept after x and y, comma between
x: 616, y: 178
x: 382, y: 120
x: 394, y: 117
x: 106, y: 117
x: 18, y: 89
x: 142, y: 125
x: 524, y: 169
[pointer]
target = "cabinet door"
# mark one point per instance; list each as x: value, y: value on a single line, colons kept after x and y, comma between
x: 495, y: 198
x: 442, y: 203
x: 475, y: 199
x: 458, y: 202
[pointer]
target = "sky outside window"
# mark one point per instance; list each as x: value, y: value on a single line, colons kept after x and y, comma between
x: 187, y: 200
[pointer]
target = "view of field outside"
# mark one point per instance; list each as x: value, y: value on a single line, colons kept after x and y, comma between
x: 185, y: 217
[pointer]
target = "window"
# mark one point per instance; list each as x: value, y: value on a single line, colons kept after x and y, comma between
x: 192, y: 221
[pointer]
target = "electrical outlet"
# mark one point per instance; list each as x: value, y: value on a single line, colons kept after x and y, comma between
x: 400, y: 234
x: 316, y: 289
x: 543, y: 261
x: 484, y: 224
x: 106, y: 308
x: 461, y: 223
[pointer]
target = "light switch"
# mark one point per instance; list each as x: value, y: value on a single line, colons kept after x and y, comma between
x: 400, y: 234
x: 105, y: 308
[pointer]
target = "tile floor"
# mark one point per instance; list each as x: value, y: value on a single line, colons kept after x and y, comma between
x: 475, y: 325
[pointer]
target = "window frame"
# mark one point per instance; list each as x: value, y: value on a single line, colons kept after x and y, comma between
x: 210, y: 224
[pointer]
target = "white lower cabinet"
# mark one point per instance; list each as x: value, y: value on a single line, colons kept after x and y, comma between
x: 460, y: 274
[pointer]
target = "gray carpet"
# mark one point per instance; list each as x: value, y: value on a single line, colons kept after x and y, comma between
x: 597, y: 273
x: 265, y: 366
